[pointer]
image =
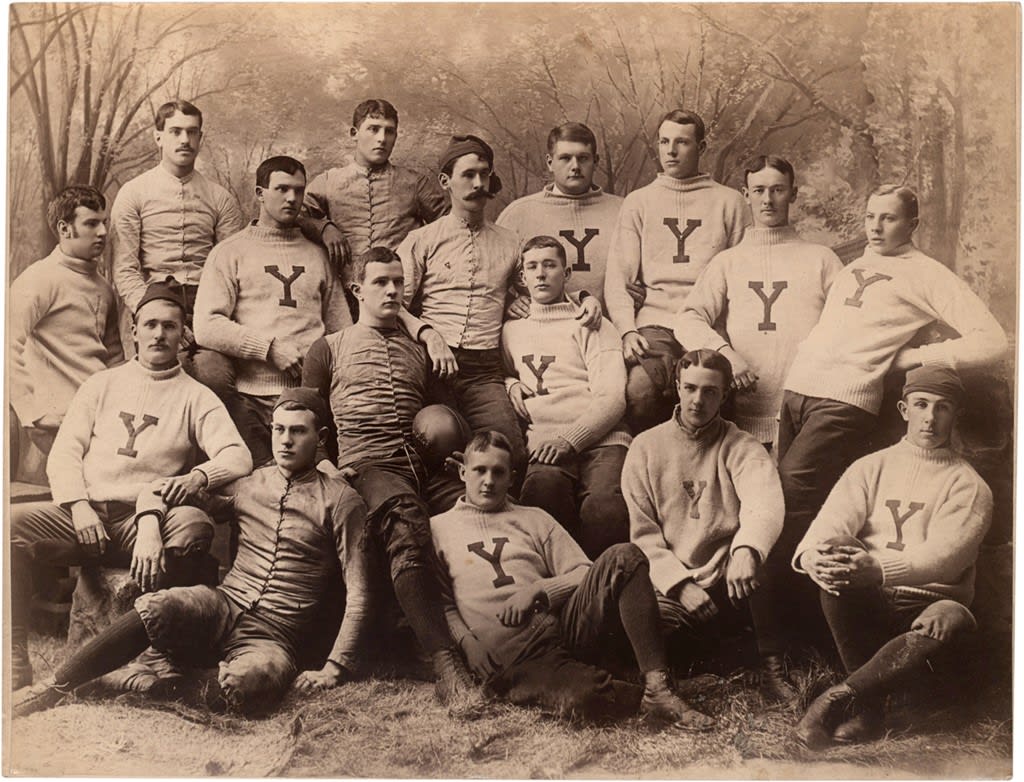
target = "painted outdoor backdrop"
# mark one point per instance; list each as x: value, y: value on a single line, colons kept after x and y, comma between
x: 854, y: 95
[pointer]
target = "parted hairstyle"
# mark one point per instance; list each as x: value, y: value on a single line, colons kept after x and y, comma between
x: 906, y: 195
x: 762, y: 162
x: 288, y: 165
x: 681, y: 117
x: 572, y: 131
x: 63, y: 205
x: 488, y: 439
x: 168, y: 110
x: 356, y: 271
x: 374, y: 107
x: 543, y: 241
x: 709, y: 359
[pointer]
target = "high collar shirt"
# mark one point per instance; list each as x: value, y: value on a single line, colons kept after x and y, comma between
x: 164, y: 226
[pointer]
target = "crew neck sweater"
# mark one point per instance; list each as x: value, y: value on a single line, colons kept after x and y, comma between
x: 696, y: 497
x: 666, y: 233
x: 488, y: 556
x: 264, y: 284
x: 577, y: 377
x: 373, y: 207
x: 129, y: 426
x: 63, y: 329
x: 582, y: 223
x: 771, y: 288
x: 921, y: 513
x: 875, y: 306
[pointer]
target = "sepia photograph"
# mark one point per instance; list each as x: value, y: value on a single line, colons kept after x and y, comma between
x: 510, y: 390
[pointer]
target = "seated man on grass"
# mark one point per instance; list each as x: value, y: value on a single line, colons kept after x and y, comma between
x: 527, y: 607
x: 295, y: 524
x: 893, y: 550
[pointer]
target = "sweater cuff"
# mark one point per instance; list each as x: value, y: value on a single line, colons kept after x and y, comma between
x: 558, y: 591
x: 750, y: 541
x: 578, y: 437
x: 510, y: 382
x: 67, y: 495
x: 936, y: 353
x: 895, y: 568
x: 216, y: 475
x: 254, y: 347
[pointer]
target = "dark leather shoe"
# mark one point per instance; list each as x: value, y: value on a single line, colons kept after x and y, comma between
x: 453, y: 681
x: 661, y: 704
x: 774, y: 684
x: 866, y: 725
x: 835, y: 705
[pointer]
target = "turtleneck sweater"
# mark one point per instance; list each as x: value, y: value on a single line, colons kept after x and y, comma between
x: 582, y: 223
x: 770, y: 288
x: 694, y: 497
x: 373, y: 207
x: 577, y: 376
x: 922, y: 513
x: 129, y: 426
x: 875, y: 306
x: 666, y: 233
x: 264, y: 284
x: 488, y: 556
x: 62, y: 330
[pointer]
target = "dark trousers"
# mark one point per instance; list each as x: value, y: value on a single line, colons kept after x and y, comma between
x: 585, y: 496
x: 818, y: 439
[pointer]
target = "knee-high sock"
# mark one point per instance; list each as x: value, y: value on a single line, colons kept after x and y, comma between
x: 118, y: 645
x: 638, y: 611
x: 418, y: 594
x: 893, y: 664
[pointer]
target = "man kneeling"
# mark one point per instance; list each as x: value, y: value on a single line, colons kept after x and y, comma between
x: 527, y: 605
x: 293, y: 521
x: 893, y: 550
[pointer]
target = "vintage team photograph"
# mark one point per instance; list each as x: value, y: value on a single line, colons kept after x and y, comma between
x: 506, y: 390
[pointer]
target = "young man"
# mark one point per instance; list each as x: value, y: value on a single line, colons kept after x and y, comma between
x: 893, y: 550
x: 266, y: 295
x: 705, y: 506
x: 770, y: 288
x: 63, y: 324
x: 834, y: 388
x: 371, y: 202
x: 165, y: 222
x: 374, y: 377
x: 568, y: 384
x: 295, y: 525
x: 126, y: 429
x: 572, y: 207
x: 527, y: 606
x: 666, y: 234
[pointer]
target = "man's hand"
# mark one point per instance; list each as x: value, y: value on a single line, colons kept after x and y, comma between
x: 518, y: 308
x: 477, y: 657
x: 286, y: 356
x: 183, y: 489
x: 743, y: 377
x: 590, y: 313
x: 741, y: 574
x: 337, y: 247
x: 634, y: 347
x: 188, y: 337
x: 696, y: 602
x: 148, y: 554
x: 331, y: 675
x: 441, y: 356
x: 89, y: 530
x: 833, y: 567
x: 522, y: 605
x: 517, y: 395
x: 638, y: 293
x: 861, y: 568
x: 906, y: 359
x: 552, y: 451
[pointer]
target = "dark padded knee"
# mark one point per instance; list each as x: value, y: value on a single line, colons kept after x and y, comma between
x: 253, y: 683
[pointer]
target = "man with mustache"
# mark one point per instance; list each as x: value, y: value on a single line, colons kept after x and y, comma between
x: 129, y: 431
x: 266, y: 295
x: 165, y: 222
x: 371, y: 202
x: 63, y: 327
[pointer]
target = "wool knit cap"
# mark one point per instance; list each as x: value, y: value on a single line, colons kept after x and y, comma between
x: 934, y: 379
x: 310, y: 399
x: 470, y: 145
x: 168, y: 290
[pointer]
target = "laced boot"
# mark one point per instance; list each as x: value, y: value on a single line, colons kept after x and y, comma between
x: 867, y: 724
x: 661, y: 704
x: 453, y: 681
x: 774, y: 685
x: 814, y: 731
